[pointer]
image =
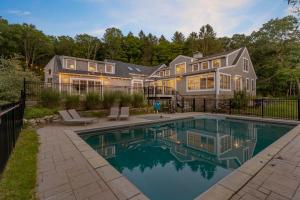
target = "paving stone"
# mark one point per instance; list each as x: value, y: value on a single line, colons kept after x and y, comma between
x: 235, y: 180
x: 274, y: 196
x: 123, y: 188
x: 87, y: 191
x: 249, y: 197
x: 103, y: 195
x: 108, y: 173
x: 139, y: 197
x: 218, y: 192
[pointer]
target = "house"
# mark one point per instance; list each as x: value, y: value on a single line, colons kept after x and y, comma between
x: 214, y: 76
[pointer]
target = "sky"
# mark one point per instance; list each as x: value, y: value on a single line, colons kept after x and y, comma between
x: 159, y: 17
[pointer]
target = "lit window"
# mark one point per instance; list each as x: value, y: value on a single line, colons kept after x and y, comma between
x: 109, y: 68
x: 167, y: 72
x: 246, y: 65
x: 194, y: 83
x: 204, y: 65
x: 210, y: 81
x: 238, y: 83
x: 225, y: 82
x: 92, y: 66
x: 70, y: 64
x: 216, y: 63
x: 180, y: 68
x: 201, y: 82
x: 195, y: 67
x: 247, y: 84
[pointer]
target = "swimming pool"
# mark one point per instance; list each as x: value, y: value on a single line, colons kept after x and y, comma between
x: 182, y: 159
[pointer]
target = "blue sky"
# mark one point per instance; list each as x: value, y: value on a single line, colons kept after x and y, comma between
x: 71, y: 17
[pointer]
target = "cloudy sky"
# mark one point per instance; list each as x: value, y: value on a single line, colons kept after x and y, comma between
x: 71, y: 17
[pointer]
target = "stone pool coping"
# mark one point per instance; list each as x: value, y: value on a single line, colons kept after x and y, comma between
x: 224, y: 189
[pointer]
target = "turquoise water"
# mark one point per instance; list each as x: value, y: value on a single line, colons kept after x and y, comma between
x: 182, y: 159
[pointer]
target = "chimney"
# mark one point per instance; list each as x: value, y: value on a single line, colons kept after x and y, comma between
x: 197, y: 55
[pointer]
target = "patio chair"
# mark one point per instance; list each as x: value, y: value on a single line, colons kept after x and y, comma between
x: 67, y: 119
x: 114, y: 113
x: 124, y: 113
x: 74, y: 114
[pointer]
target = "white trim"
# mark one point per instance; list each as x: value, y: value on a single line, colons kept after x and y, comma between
x: 241, y: 82
x: 197, y: 66
x: 168, y: 71
x: 207, y: 65
x: 89, y: 66
x: 212, y: 63
x: 230, y: 84
x: 180, y: 64
x: 65, y: 64
x: 187, y: 57
x: 246, y: 85
x: 113, y: 70
x: 254, y: 84
x: 247, y: 71
x: 85, y: 79
x: 199, y: 90
x: 163, y: 65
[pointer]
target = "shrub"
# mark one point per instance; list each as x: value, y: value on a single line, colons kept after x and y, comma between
x: 109, y: 99
x: 240, y: 99
x: 124, y: 99
x: 137, y: 100
x: 92, y: 100
x: 72, y: 101
x: 38, y: 112
x: 49, y: 98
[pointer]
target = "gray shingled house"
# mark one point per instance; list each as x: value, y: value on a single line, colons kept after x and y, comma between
x: 214, y: 76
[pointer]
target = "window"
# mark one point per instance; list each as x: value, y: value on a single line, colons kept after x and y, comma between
x: 252, y: 85
x: 204, y: 65
x: 194, y: 83
x: 247, y: 84
x: 195, y: 67
x: 70, y: 64
x: 109, y: 68
x: 161, y: 73
x: 138, y: 69
x: 180, y: 68
x: 225, y: 81
x: 246, y: 65
x: 238, y: 83
x: 201, y: 82
x: 49, y: 71
x: 130, y: 68
x: 92, y: 66
x: 167, y: 72
x: 216, y: 63
x: 82, y: 65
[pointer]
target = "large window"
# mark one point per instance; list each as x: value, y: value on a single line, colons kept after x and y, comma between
x: 195, y: 67
x: 216, y: 63
x: 246, y: 65
x: 180, y: 68
x: 204, y: 65
x: 201, y: 82
x: 70, y: 64
x: 83, y: 86
x: 238, y: 82
x: 109, y: 68
x: 225, y: 81
x: 92, y: 67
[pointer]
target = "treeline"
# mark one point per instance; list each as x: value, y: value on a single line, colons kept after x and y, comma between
x: 274, y: 49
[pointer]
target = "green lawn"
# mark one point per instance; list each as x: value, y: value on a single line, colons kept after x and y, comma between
x: 19, y: 177
x: 38, y: 112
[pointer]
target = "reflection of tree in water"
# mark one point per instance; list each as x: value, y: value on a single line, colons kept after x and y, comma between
x: 143, y: 157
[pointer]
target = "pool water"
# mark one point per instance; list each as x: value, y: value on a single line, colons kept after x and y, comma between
x: 182, y: 159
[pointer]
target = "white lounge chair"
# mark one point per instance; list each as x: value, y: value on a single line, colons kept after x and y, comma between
x: 74, y: 114
x: 114, y: 113
x: 67, y: 119
x: 124, y: 113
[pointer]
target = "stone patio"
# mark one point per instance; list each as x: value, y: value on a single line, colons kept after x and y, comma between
x: 68, y: 169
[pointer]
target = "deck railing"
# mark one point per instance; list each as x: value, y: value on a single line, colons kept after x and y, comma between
x: 11, y: 122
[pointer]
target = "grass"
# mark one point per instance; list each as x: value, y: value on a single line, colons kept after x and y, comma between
x: 38, y: 112
x: 19, y: 177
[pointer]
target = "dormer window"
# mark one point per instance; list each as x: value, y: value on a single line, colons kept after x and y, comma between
x: 167, y: 72
x: 70, y: 64
x: 109, y: 68
x: 204, y: 65
x: 49, y: 72
x: 161, y: 73
x: 216, y: 63
x: 180, y: 68
x: 92, y: 67
x: 246, y: 65
x: 195, y: 67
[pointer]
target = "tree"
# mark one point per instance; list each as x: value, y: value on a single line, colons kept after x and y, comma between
x: 113, y: 39
x: 86, y: 46
x: 178, y: 40
x: 191, y: 44
x: 208, y: 42
x: 131, y: 49
x: 64, y: 45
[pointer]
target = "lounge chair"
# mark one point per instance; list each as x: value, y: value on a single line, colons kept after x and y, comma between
x: 124, y: 113
x: 69, y: 120
x: 114, y: 113
x: 74, y: 114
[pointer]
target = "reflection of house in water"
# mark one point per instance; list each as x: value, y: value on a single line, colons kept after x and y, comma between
x: 228, y: 143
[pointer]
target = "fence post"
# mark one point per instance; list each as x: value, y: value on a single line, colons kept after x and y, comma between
x: 230, y: 104
x: 194, y: 104
x: 262, y: 107
x: 298, y: 109
x: 204, y: 106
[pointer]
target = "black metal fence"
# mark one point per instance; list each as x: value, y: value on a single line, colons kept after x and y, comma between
x: 11, y: 121
x: 270, y: 108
